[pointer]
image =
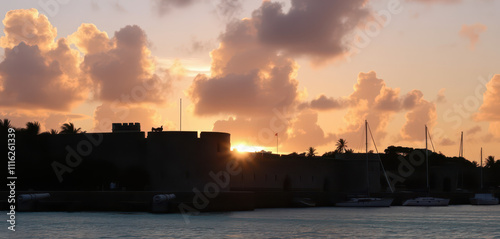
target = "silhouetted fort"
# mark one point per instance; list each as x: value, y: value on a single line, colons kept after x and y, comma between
x: 124, y: 169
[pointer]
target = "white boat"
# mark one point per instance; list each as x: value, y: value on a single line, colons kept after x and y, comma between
x: 484, y: 199
x: 366, y: 202
x: 427, y: 201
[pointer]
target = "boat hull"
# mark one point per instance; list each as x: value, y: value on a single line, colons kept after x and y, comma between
x: 366, y: 202
x: 484, y: 199
x: 427, y: 202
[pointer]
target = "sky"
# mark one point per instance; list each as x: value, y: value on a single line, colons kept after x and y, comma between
x: 293, y: 74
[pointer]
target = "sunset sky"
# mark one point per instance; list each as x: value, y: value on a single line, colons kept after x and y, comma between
x: 310, y: 71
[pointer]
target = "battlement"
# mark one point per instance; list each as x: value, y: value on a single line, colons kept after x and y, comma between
x: 126, y: 127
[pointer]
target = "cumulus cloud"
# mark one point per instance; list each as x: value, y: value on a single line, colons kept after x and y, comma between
x: 322, y: 102
x: 46, y: 75
x: 472, y: 32
x: 247, y: 79
x: 305, y: 132
x: 310, y: 28
x: 28, y: 26
x: 371, y: 100
x: 121, y: 68
x: 488, y: 111
x: 424, y: 113
x: 38, y: 72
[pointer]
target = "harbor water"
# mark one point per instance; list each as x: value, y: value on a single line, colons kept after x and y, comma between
x: 460, y: 221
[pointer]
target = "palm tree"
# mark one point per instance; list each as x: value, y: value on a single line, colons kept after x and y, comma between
x: 69, y: 128
x: 5, y: 124
x: 311, y: 152
x: 350, y: 151
x: 33, y: 128
x: 490, y: 161
x: 341, y: 146
x: 54, y: 131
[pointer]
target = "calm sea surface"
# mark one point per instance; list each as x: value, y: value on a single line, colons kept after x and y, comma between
x: 394, y: 222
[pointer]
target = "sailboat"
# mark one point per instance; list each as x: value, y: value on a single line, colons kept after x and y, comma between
x: 483, y: 198
x: 367, y: 201
x: 427, y: 201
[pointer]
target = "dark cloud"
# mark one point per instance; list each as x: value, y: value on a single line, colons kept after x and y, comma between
x: 31, y: 80
x: 311, y: 28
x: 447, y: 142
x: 162, y: 7
x: 322, y: 102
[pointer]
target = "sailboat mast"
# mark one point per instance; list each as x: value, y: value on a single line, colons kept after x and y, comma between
x: 366, y: 152
x: 481, y: 168
x: 426, y: 159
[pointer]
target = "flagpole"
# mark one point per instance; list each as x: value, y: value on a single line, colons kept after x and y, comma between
x: 277, y: 152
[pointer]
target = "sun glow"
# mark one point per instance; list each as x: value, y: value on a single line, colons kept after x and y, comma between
x: 241, y: 147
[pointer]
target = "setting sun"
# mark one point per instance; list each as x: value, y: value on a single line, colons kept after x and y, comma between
x: 241, y: 147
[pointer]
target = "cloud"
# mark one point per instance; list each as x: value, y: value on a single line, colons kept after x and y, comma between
x: 305, y: 132
x: 310, y: 28
x: 28, y: 26
x: 162, y: 7
x: 229, y: 9
x: 424, y: 113
x: 474, y: 130
x: 441, y: 98
x: 121, y: 68
x: 489, y: 110
x: 447, y: 142
x: 436, y: 1
x: 38, y: 72
x: 472, y: 32
x: 247, y: 79
x: 372, y: 101
x: 322, y: 102
x: 47, y: 120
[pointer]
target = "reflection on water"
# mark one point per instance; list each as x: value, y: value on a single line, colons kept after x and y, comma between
x: 453, y: 221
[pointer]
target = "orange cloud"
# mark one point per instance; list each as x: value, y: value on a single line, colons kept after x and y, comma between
x: 489, y: 110
x: 28, y: 26
x: 472, y: 32
x: 37, y: 71
x: 120, y: 68
x: 423, y: 113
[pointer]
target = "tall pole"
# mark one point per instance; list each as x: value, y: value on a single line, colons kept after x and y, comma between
x: 427, y: 159
x: 481, y: 168
x: 277, y: 152
x: 180, y: 115
x: 366, y: 152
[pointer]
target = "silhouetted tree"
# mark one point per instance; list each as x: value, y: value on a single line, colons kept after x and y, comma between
x: 341, y: 146
x: 69, y: 128
x: 32, y: 128
x: 311, y: 152
x: 350, y: 151
x: 490, y: 161
x: 5, y: 124
x: 330, y: 154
